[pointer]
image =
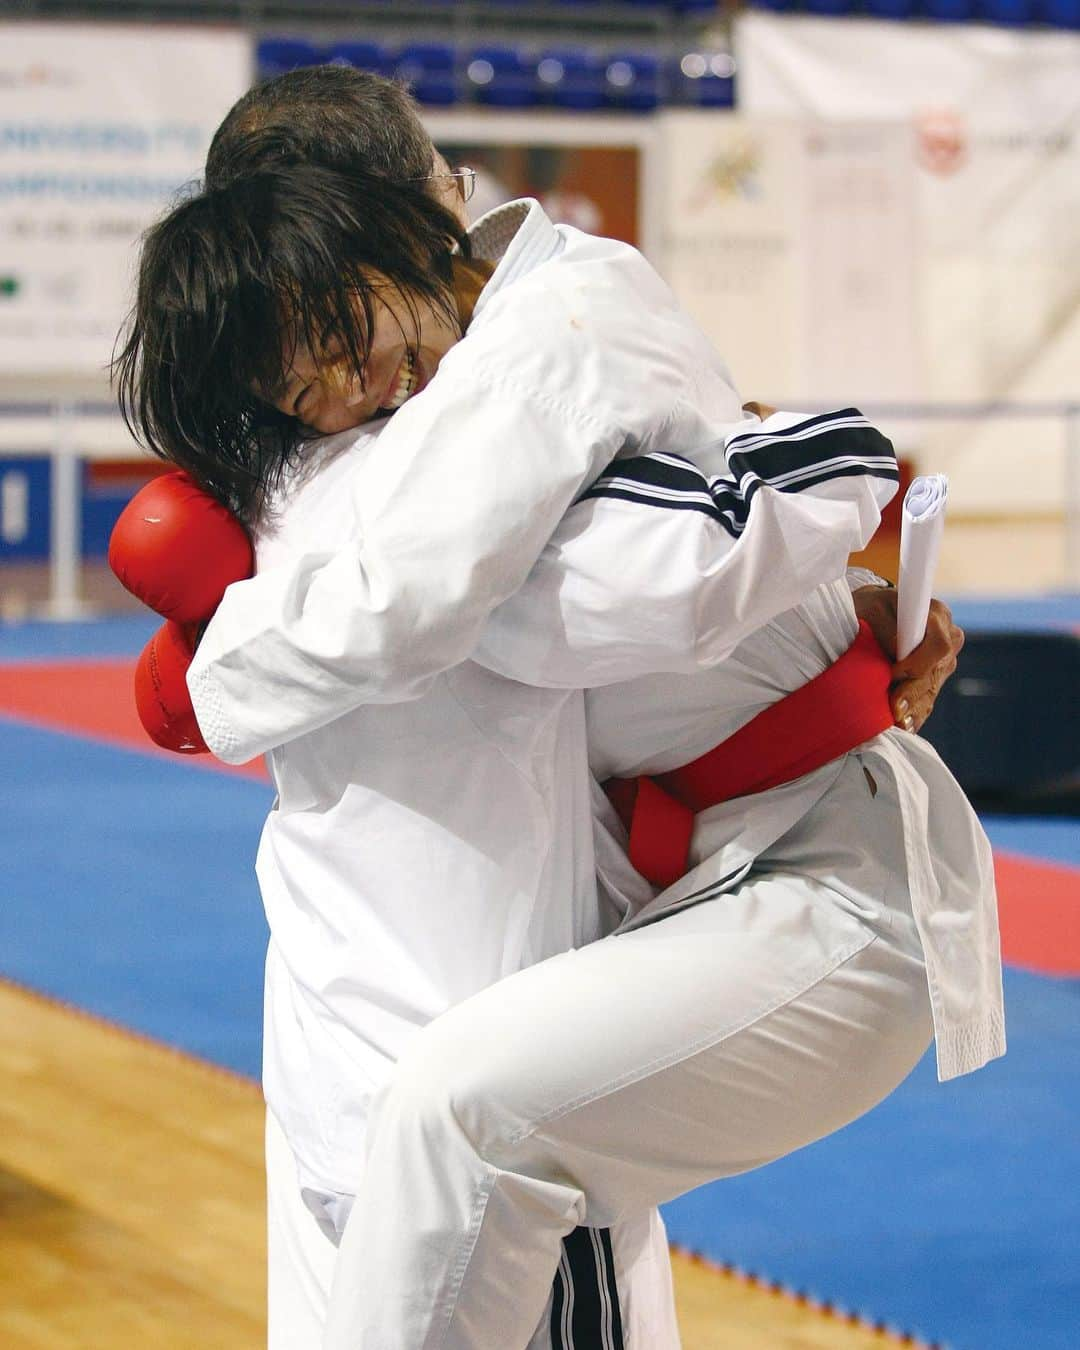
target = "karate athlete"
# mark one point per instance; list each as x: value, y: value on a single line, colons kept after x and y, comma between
x: 419, y: 852
x: 837, y: 908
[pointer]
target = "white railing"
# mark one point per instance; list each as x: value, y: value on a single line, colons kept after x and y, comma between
x: 67, y: 432
x: 999, y: 461
x: 998, y: 472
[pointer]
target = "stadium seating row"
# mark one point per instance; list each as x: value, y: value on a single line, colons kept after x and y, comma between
x: 1055, y: 13
x: 660, y: 6
x: 441, y: 74
x: 1058, y: 13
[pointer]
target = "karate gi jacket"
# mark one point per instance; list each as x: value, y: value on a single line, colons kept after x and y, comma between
x: 432, y: 831
x: 659, y: 696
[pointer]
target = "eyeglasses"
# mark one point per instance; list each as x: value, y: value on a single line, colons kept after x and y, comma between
x: 466, y: 180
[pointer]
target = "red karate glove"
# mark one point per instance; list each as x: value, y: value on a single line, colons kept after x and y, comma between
x: 161, y: 692
x: 176, y: 548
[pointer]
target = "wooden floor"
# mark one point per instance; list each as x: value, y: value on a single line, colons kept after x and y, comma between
x: 131, y: 1206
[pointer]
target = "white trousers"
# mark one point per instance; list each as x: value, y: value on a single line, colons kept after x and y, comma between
x: 609, y: 1079
x: 613, y: 1289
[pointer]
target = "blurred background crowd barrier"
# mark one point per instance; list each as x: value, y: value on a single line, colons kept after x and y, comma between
x: 857, y: 210
x: 867, y: 205
x: 67, y: 469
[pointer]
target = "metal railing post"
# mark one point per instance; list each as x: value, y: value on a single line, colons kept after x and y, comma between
x: 66, y: 518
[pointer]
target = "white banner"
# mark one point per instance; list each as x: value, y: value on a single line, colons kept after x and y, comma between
x: 100, y: 126
x: 773, y: 240
x: 859, y: 319
x: 991, y: 119
x: 985, y: 183
x: 732, y: 247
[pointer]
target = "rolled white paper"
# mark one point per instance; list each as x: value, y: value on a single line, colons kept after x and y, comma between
x: 922, y: 524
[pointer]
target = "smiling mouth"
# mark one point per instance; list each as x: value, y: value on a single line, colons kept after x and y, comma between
x: 406, y: 383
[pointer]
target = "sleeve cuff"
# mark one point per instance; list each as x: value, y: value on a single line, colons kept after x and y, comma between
x: 219, y: 736
x: 857, y: 577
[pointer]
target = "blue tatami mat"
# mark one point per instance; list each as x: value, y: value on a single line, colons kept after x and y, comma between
x: 1056, y: 841
x: 951, y: 1211
x: 105, y: 637
x: 129, y: 890
x: 1017, y: 613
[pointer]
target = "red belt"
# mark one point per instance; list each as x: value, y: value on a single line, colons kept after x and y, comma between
x: 832, y: 714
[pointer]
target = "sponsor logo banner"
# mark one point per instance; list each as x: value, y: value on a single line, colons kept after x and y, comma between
x: 100, y: 127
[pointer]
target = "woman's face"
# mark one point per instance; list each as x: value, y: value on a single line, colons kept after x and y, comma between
x: 323, y: 390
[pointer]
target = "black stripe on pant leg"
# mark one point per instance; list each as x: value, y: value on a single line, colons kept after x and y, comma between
x: 587, y: 1318
x: 612, y: 1286
x: 558, y: 1305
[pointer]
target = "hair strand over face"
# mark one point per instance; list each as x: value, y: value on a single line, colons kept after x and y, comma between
x: 232, y: 279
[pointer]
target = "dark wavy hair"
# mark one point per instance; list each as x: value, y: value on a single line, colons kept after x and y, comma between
x: 232, y: 278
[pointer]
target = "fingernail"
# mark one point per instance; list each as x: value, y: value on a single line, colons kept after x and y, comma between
x: 901, y: 706
x: 909, y: 723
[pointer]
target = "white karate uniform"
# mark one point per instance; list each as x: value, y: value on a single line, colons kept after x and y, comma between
x: 576, y: 352
x: 629, y: 1279
x: 410, y: 861
x: 786, y: 985
x: 432, y: 831
x: 420, y: 851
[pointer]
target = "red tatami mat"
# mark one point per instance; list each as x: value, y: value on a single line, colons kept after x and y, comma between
x: 1039, y: 906
x: 90, y: 698
x: 1040, y: 901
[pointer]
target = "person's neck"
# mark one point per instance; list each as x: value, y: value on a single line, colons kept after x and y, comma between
x: 470, y: 276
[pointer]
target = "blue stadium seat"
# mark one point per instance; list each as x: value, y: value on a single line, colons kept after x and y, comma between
x: 571, y: 78
x: 1012, y: 12
x: 703, y: 80
x: 830, y: 7
x: 633, y: 81
x: 1061, y: 13
x: 429, y: 69
x: 716, y: 92
x: 890, y: 9
x: 502, y: 77
x: 949, y: 11
x: 275, y: 56
x: 362, y: 55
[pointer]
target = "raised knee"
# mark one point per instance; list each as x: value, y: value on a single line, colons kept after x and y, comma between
x: 449, y: 1083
